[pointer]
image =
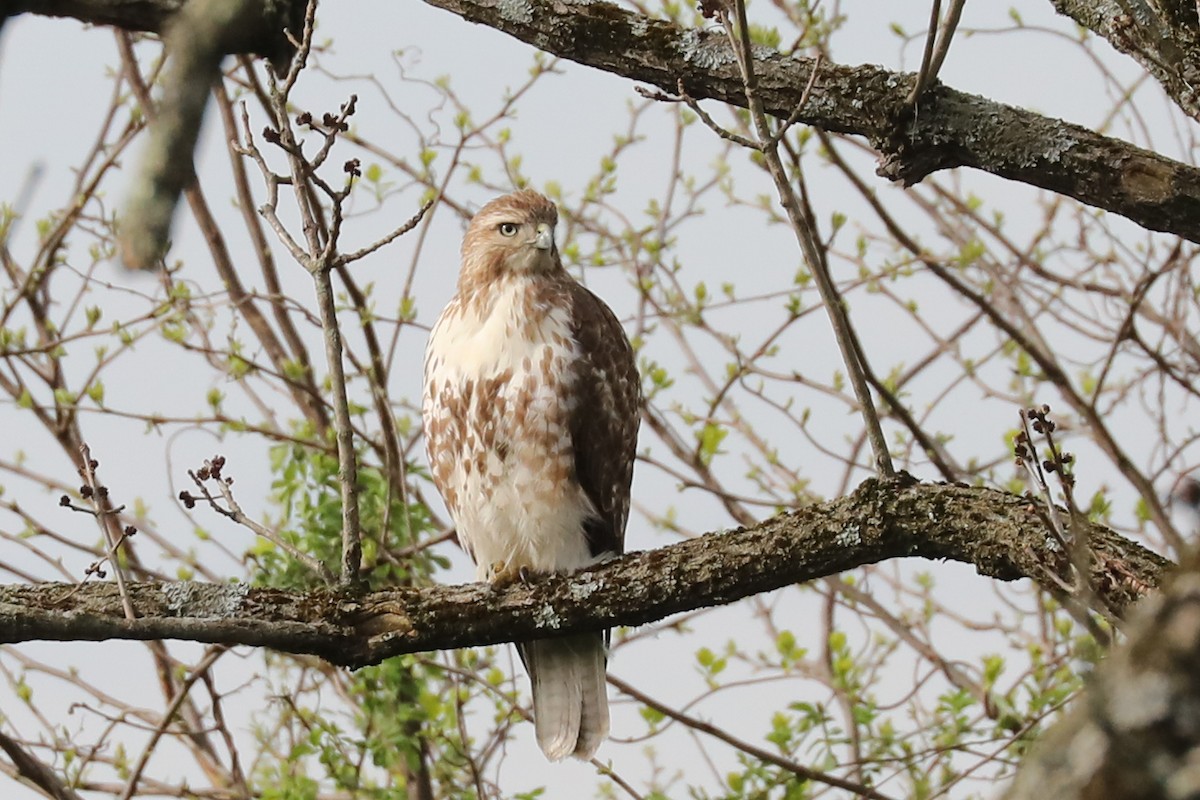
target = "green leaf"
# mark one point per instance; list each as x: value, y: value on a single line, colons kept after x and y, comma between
x: 711, y: 436
x: 96, y: 392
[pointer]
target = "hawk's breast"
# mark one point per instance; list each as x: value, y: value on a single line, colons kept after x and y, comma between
x: 498, y: 401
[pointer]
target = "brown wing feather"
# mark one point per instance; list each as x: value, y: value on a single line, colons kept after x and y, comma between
x: 604, y: 423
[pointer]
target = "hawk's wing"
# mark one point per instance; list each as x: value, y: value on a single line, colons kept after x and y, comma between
x: 605, y: 418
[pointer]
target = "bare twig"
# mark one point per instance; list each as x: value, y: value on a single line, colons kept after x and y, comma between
x: 766, y: 756
x: 1027, y: 457
x: 804, y: 228
x: 318, y: 257
x: 412, y: 222
x: 212, y: 471
x: 945, y: 36
x: 1074, y: 538
x: 35, y: 771
x: 173, y: 707
x: 106, y: 517
x: 347, y: 459
x: 937, y: 45
x: 935, y: 16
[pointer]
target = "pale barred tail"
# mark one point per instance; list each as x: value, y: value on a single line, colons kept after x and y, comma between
x: 570, y: 698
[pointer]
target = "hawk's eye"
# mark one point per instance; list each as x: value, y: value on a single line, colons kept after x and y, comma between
x: 507, y: 228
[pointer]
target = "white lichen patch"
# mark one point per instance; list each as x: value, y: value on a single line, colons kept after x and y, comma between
x: 1142, y: 700
x: 1086, y: 752
x: 584, y: 587
x: 639, y: 26
x: 515, y: 11
x: 706, y: 52
x: 546, y: 615
x: 849, y: 537
x: 1184, y: 781
x: 204, y: 600
x: 709, y: 51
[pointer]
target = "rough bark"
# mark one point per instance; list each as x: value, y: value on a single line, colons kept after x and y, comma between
x: 1163, y: 37
x: 132, y: 15
x: 260, y: 33
x: 1135, y: 732
x: 1002, y: 535
x: 949, y: 129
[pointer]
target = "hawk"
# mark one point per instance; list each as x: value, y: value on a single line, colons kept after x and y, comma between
x: 531, y: 411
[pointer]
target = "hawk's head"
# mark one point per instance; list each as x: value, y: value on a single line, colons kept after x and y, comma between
x: 511, y: 234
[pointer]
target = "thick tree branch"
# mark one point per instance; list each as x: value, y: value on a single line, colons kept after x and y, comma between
x: 1002, y: 535
x: 1133, y: 733
x: 947, y: 128
x: 1164, y: 37
x: 262, y: 34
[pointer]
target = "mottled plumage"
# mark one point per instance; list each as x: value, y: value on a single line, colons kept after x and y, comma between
x: 531, y: 411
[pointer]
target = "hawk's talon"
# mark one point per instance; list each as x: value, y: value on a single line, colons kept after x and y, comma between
x: 502, y: 574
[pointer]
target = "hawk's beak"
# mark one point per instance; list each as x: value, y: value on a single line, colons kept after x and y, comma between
x: 545, y: 237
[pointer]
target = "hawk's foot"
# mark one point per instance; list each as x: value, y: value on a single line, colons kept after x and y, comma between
x: 501, y: 574
x: 505, y: 573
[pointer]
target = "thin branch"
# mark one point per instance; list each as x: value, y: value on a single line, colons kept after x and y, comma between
x: 319, y: 260
x: 945, y: 36
x: 799, y: 770
x: 172, y: 709
x: 347, y: 459
x: 935, y: 54
x: 106, y: 516
x: 804, y: 227
x: 212, y: 471
x: 412, y: 222
x: 35, y: 771
x: 935, y: 15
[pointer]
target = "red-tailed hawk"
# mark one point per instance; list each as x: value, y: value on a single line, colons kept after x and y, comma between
x: 531, y: 412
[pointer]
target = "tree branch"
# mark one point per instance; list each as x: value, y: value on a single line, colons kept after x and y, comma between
x: 1163, y: 37
x: 1002, y: 535
x: 952, y: 128
x: 1133, y: 733
x: 36, y: 772
x: 262, y: 34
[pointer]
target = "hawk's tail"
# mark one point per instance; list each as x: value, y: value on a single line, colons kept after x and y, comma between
x: 570, y: 698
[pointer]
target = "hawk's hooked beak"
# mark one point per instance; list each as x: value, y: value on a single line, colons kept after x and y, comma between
x: 545, y: 237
